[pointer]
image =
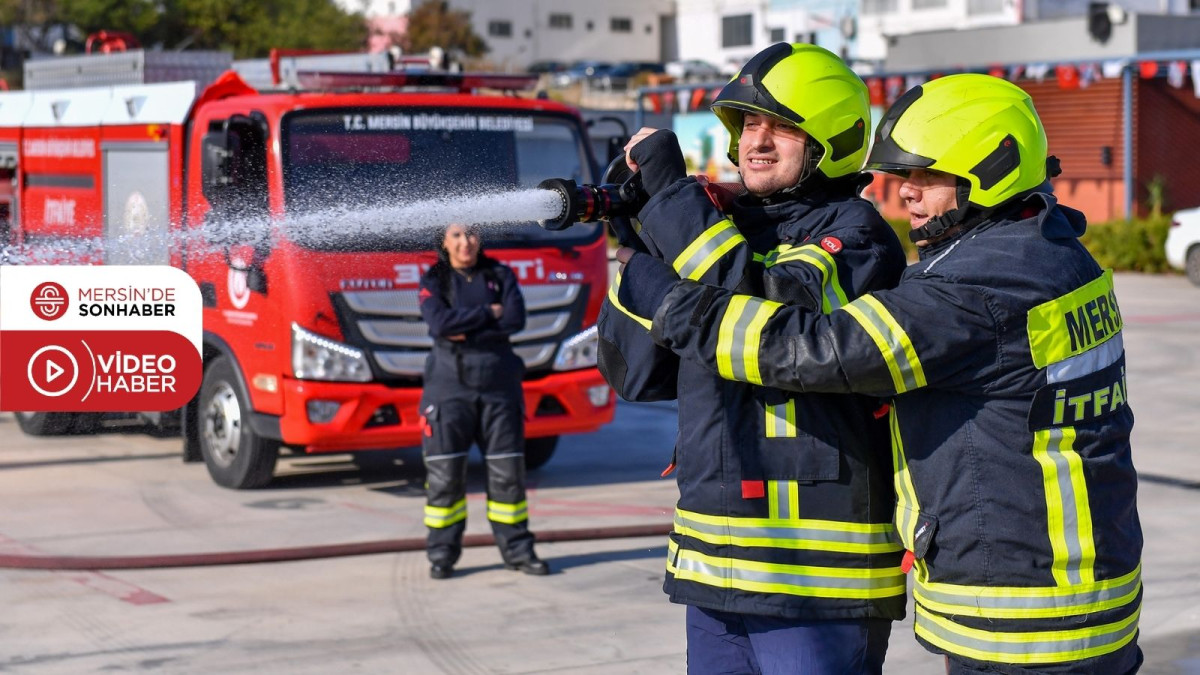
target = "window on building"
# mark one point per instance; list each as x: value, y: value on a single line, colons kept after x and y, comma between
x: 391, y: 9
x: 737, y: 31
x: 985, y: 6
x: 590, y: 25
x: 1195, y: 5
x: 778, y: 34
x: 500, y: 29
x: 562, y: 21
x: 621, y: 25
x: 929, y: 4
x: 805, y: 38
x: 649, y: 29
x: 878, y: 6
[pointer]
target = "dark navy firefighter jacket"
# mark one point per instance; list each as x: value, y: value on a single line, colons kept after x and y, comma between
x: 1010, y: 429
x: 785, y: 500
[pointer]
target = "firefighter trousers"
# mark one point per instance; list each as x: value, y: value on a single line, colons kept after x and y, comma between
x: 492, y: 418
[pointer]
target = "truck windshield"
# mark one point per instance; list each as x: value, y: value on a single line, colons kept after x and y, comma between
x: 386, y: 163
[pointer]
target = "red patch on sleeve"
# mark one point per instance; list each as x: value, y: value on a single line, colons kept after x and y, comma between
x: 831, y: 244
x: 423, y: 295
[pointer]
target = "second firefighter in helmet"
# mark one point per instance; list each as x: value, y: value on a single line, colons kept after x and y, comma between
x: 755, y: 461
x: 972, y: 142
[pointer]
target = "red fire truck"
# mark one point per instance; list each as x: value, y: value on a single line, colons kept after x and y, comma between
x: 313, y: 340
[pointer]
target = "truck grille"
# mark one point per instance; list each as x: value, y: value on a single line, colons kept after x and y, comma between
x: 388, y: 325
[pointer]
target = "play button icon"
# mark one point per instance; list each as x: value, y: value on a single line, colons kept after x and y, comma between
x: 48, y: 370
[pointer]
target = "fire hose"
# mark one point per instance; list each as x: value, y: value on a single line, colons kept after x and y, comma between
x: 129, y: 562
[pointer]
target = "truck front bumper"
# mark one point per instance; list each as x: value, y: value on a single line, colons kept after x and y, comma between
x: 371, y: 416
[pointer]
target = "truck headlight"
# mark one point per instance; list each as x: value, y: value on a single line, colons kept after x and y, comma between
x: 318, y: 358
x: 578, y: 351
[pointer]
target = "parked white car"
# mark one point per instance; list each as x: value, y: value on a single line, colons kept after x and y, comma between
x: 1183, y: 243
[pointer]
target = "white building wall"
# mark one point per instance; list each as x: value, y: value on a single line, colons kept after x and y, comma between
x: 700, y: 26
x: 590, y: 35
x: 531, y: 38
x: 374, y: 8
x: 879, y: 19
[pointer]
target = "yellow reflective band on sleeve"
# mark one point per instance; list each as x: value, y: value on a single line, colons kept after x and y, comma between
x: 1022, y: 602
x: 707, y: 249
x: 612, y: 298
x: 908, y: 509
x: 738, y: 337
x: 1086, y: 317
x: 892, y: 341
x: 787, y: 533
x: 781, y: 420
x: 499, y: 512
x: 783, y: 500
x: 1069, y: 515
x: 801, y: 580
x: 1025, y: 647
x: 832, y: 295
x: 438, y: 517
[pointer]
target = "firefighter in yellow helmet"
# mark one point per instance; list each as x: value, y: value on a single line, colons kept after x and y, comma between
x: 782, y: 548
x: 1002, y: 352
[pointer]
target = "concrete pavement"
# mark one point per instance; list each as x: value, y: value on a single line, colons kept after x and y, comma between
x: 126, y: 492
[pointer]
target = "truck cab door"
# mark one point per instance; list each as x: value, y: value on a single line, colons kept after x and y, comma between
x: 234, y: 181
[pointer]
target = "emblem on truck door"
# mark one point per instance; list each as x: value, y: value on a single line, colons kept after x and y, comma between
x: 239, y: 288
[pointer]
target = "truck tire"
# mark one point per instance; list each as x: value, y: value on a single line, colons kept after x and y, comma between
x: 1192, y: 265
x: 538, y: 451
x: 58, y: 424
x: 236, y: 457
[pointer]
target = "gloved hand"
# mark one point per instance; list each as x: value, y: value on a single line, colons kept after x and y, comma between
x: 658, y: 159
x: 645, y: 281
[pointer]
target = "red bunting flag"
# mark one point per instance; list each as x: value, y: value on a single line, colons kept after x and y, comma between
x: 875, y: 89
x: 697, y: 99
x: 1068, y: 76
x: 1148, y: 69
x: 893, y: 87
x: 997, y: 71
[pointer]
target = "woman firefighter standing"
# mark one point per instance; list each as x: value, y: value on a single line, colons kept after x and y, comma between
x: 473, y: 395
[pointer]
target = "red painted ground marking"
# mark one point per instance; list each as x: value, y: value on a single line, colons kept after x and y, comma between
x: 391, y: 515
x: 96, y: 581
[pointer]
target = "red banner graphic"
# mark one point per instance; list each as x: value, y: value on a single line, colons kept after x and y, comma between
x: 97, y: 371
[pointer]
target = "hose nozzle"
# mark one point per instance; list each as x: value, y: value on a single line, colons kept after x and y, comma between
x: 589, y: 203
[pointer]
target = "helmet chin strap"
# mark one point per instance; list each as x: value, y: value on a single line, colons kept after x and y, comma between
x: 952, y: 222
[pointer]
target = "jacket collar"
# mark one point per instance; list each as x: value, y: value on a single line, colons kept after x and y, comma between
x: 789, y: 207
x: 1040, y: 208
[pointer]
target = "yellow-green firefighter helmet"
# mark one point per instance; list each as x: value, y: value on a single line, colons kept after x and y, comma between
x: 980, y: 128
x: 807, y: 86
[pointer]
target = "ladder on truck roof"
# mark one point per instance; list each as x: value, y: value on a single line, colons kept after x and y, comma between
x: 136, y: 66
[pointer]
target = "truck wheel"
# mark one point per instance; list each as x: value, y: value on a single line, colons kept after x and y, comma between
x: 1192, y: 265
x: 538, y: 451
x: 236, y: 457
x: 58, y: 424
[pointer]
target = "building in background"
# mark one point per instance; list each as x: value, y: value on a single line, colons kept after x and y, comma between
x: 520, y: 33
x: 727, y: 33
